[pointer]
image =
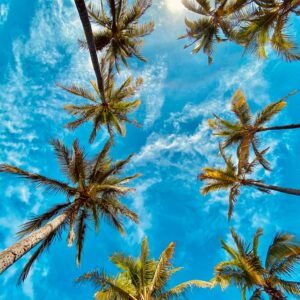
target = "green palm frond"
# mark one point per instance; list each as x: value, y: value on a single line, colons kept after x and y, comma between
x: 79, y: 91
x: 255, y: 241
x: 113, y: 113
x: 141, y: 278
x: 283, y: 246
x: 38, y: 221
x: 118, y: 31
x: 179, y: 289
x: 252, y: 24
x: 245, y: 270
x: 80, y: 234
x: 240, y: 107
x: 97, y: 186
x: 291, y: 287
x: 50, y: 184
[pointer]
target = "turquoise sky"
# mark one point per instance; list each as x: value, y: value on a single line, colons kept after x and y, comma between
x: 38, y: 48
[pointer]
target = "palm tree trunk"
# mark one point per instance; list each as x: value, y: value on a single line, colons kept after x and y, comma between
x: 276, y: 188
x: 292, y: 126
x: 84, y: 17
x: 10, y: 255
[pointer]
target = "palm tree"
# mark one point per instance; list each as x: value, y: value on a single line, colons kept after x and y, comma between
x: 140, y: 278
x: 265, y: 24
x: 213, y: 26
x: 243, y: 131
x: 246, y: 270
x: 94, y: 192
x: 113, y: 112
x: 120, y: 33
x: 253, y: 24
x: 233, y: 177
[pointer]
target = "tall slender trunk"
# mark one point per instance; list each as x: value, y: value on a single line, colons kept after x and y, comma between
x: 276, y: 188
x: 84, y: 17
x: 12, y: 254
x: 292, y: 126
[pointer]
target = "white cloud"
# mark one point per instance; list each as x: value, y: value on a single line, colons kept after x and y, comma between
x: 139, y: 206
x: 4, y: 9
x: 152, y: 90
x: 22, y: 191
x: 249, y: 78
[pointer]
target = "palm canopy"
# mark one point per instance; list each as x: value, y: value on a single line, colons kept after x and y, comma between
x: 231, y: 178
x: 94, y: 191
x: 111, y: 113
x: 141, y: 278
x: 120, y: 33
x: 247, y: 271
x: 253, y: 24
x: 243, y: 131
x: 265, y: 24
x: 234, y: 176
x: 213, y: 26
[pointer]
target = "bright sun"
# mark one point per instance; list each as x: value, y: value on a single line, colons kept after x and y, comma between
x: 174, y: 6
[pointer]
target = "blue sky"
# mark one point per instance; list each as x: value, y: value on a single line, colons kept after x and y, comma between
x: 39, y: 48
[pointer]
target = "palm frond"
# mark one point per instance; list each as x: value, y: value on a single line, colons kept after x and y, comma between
x: 50, y: 184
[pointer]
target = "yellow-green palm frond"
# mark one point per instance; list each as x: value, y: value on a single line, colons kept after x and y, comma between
x: 284, y: 245
x: 290, y: 287
x: 233, y: 195
x: 198, y: 7
x: 118, y: 287
x: 120, y: 33
x: 259, y: 158
x: 204, y: 33
x: 51, y: 185
x: 113, y: 113
x: 79, y: 91
x: 255, y: 241
x: 180, y: 289
x: 245, y: 270
x: 271, y: 110
x: 163, y: 265
x: 281, y: 41
x: 140, y: 278
x: 94, y: 193
x: 240, y: 107
x: 221, y: 175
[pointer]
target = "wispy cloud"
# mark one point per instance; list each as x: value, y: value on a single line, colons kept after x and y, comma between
x: 140, y: 197
x: 4, y: 9
x: 154, y: 77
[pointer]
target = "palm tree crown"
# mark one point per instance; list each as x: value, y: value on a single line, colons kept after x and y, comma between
x: 94, y: 191
x: 214, y: 24
x: 140, y: 278
x: 246, y: 269
x: 265, y: 24
x: 113, y: 112
x: 243, y: 131
x: 253, y: 24
x: 120, y: 34
x: 235, y: 176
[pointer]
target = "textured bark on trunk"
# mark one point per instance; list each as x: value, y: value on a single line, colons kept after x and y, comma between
x: 277, y: 189
x: 292, y: 126
x: 12, y: 254
x: 84, y: 17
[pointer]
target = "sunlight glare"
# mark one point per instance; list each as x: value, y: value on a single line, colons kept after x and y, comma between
x: 174, y: 6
